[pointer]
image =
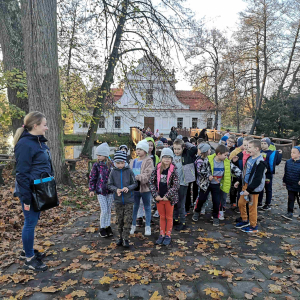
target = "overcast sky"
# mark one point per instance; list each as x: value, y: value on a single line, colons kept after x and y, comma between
x: 220, y: 14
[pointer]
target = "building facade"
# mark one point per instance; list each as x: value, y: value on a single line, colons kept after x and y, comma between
x: 147, y: 100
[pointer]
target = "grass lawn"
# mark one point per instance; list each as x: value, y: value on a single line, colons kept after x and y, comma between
x: 113, y: 140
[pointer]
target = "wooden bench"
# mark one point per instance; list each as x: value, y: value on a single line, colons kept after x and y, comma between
x: 71, y: 163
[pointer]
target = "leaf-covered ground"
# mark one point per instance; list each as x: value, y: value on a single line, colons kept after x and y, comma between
x: 203, y: 262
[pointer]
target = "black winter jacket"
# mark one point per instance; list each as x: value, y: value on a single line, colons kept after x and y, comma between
x: 292, y: 175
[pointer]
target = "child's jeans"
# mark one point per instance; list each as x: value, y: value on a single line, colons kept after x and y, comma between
x: 179, y: 210
x: 291, y: 200
x: 216, y: 194
x: 141, y: 211
x: 223, y: 200
x: 31, y: 219
x: 165, y: 210
x: 105, y: 205
x: 252, y: 207
x: 268, y: 188
x: 146, y: 197
x: 124, y: 218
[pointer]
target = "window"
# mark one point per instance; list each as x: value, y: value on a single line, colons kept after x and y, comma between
x: 194, y: 122
x: 85, y: 125
x: 149, y: 96
x: 209, y: 123
x: 117, y: 122
x: 102, y: 122
x: 179, y: 122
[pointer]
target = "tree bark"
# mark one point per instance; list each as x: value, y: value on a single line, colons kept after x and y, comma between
x: 11, y: 42
x: 106, y: 84
x: 39, y: 26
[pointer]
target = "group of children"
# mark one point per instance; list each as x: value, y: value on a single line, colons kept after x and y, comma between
x: 242, y: 168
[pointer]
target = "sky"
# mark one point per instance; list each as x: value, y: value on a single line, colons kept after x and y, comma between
x: 221, y: 14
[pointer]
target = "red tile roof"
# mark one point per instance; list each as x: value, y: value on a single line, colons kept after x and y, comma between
x: 196, y: 100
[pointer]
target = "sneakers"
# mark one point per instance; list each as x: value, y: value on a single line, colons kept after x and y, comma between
x: 109, y: 231
x: 175, y: 222
x: 132, y: 229
x: 180, y: 227
x: 221, y: 215
x: 167, y: 241
x: 266, y: 207
x: 202, y: 212
x: 288, y: 216
x: 160, y: 240
x: 156, y: 214
x: 242, y: 224
x: 39, y: 255
x: 125, y: 243
x: 139, y: 222
x: 233, y: 206
x: 120, y: 242
x: 259, y: 205
x: 103, y: 232
x: 147, y: 230
x: 250, y: 229
x: 195, y: 217
x: 216, y: 222
x: 35, y: 264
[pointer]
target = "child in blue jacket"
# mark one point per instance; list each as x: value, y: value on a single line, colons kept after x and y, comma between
x: 291, y: 180
x: 273, y: 159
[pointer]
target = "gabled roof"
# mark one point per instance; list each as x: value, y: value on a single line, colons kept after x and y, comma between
x: 196, y: 100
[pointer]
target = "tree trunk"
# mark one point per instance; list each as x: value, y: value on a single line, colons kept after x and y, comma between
x: 11, y: 42
x: 216, y: 99
x: 106, y: 84
x: 39, y: 26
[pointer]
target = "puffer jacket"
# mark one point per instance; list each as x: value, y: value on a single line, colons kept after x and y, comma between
x: 292, y: 175
x: 120, y: 178
x: 98, y: 179
x: 32, y: 159
x: 272, y: 158
x: 203, y: 172
x: 155, y: 158
x: 172, y: 181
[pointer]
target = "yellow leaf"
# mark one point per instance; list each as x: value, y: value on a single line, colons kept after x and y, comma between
x: 50, y: 289
x: 254, y: 262
x: 214, y: 293
x: 215, y: 272
x: 276, y: 289
x: 106, y: 280
x: 121, y: 295
x: 78, y: 293
x: 65, y: 249
x: 216, y: 246
x: 155, y: 296
x: 48, y: 243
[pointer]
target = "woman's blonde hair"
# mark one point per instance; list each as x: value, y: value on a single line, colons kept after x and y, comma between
x: 34, y: 117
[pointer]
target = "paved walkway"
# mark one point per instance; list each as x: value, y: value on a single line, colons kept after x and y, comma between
x: 204, y: 262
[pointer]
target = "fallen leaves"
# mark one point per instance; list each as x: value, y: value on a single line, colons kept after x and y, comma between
x: 254, y: 262
x: 275, y: 289
x: 156, y: 296
x: 49, y: 289
x: 214, y: 293
x: 214, y: 272
x: 105, y: 280
x: 78, y: 293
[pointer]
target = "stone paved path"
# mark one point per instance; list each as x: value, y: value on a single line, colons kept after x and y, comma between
x: 204, y: 262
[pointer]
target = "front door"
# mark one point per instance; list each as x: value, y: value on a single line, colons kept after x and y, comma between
x: 149, y: 122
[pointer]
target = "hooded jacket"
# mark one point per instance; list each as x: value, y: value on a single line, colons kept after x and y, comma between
x: 292, y: 175
x: 272, y: 158
x: 32, y: 159
x: 98, y: 178
x: 120, y: 178
x: 155, y: 158
x: 146, y: 170
x: 257, y: 176
x: 173, y: 183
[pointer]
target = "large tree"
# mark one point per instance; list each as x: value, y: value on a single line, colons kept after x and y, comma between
x: 39, y: 25
x: 11, y: 41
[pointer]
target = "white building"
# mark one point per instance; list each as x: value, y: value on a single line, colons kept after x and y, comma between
x: 148, y: 100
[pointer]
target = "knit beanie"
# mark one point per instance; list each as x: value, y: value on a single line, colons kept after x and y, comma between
x: 103, y: 150
x: 159, y: 144
x: 240, y: 141
x: 143, y: 145
x: 179, y: 137
x: 167, y: 152
x: 120, y: 156
x: 224, y: 138
x: 203, y: 147
x: 266, y: 140
x: 164, y: 140
x: 297, y: 147
x: 123, y: 146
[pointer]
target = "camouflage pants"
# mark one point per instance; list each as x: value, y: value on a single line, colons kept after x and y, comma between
x: 124, y: 217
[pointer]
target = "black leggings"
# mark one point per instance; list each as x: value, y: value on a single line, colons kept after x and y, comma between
x: 291, y: 200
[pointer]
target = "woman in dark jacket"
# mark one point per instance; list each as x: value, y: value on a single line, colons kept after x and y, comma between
x: 203, y: 134
x: 32, y: 159
x: 173, y: 134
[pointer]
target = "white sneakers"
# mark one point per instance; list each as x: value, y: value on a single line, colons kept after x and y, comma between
x: 156, y: 214
x: 147, y: 230
x: 221, y: 215
x: 202, y: 212
x: 132, y: 229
